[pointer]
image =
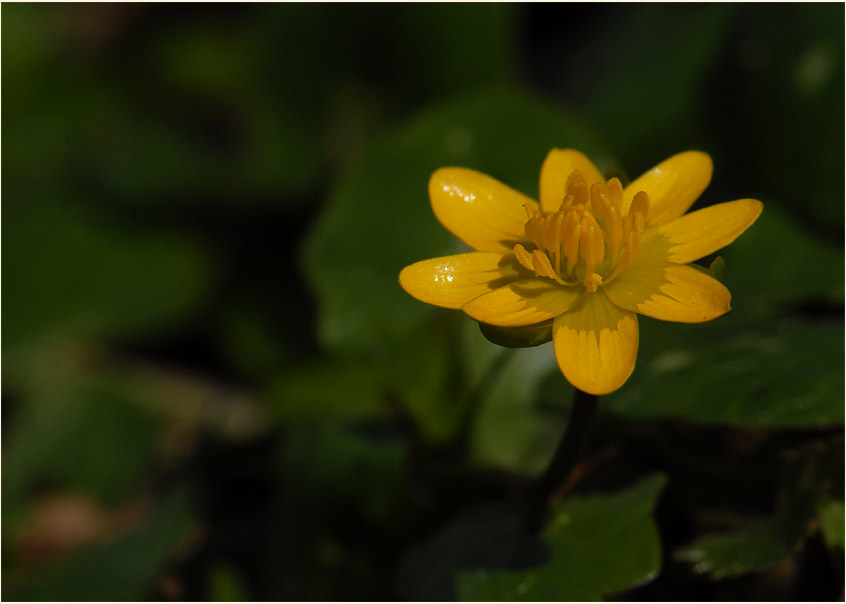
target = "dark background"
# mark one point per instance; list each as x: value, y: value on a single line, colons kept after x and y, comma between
x: 213, y: 386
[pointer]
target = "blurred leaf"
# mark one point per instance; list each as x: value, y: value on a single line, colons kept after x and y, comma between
x: 662, y: 87
x: 418, y: 375
x: 327, y: 392
x: 599, y: 545
x: 487, y: 536
x: 366, y: 472
x: 80, y: 438
x: 780, y: 375
x: 507, y: 432
x: 473, y: 47
x: 832, y: 523
x: 781, y: 92
x: 755, y: 548
x: 777, y: 265
x: 250, y: 341
x: 75, y: 275
x: 226, y: 584
x: 124, y: 568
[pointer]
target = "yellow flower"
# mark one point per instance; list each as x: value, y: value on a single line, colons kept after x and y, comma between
x: 589, y: 257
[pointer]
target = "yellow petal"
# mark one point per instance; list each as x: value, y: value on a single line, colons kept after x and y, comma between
x: 672, y: 186
x: 523, y: 302
x: 671, y: 292
x: 596, y: 344
x: 481, y: 211
x: 700, y: 233
x: 557, y: 167
x: 452, y: 281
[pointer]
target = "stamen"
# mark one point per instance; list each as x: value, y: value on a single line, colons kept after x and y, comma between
x: 615, y: 191
x: 640, y: 204
x: 608, y: 216
x: 534, y: 228
x: 571, y: 230
x: 523, y: 257
x: 632, y: 240
x: 577, y: 187
x: 587, y: 221
x: 591, y: 243
x: 543, y: 266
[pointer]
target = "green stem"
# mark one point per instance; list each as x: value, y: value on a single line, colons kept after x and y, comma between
x: 575, y: 437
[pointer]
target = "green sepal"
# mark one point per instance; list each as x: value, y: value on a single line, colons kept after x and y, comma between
x: 518, y: 337
x: 618, y: 173
x: 718, y: 269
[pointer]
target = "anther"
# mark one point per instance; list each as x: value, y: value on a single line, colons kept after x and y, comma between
x: 534, y: 229
x: 524, y: 257
x: 571, y: 230
x: 640, y: 204
x: 543, y: 267
x: 577, y: 187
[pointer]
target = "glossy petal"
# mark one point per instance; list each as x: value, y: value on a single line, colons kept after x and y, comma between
x: 671, y: 292
x: 672, y: 186
x: 523, y: 302
x: 557, y: 167
x: 596, y: 344
x: 481, y: 211
x: 700, y: 233
x: 452, y: 281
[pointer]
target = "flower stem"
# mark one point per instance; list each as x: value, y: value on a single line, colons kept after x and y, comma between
x: 582, y: 415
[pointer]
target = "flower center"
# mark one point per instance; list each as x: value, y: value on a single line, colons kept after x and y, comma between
x: 586, y: 241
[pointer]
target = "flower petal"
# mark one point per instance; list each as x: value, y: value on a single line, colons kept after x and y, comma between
x: 481, y: 211
x: 556, y: 169
x: 452, y: 281
x: 596, y: 344
x: 671, y: 292
x: 523, y: 302
x: 672, y: 186
x: 700, y: 233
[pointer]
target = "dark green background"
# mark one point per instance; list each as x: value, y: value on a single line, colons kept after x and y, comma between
x: 214, y: 388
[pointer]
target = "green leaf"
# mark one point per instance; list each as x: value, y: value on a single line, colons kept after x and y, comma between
x: 755, y: 548
x: 777, y: 265
x: 124, y: 568
x: 832, y: 523
x: 748, y: 378
x: 598, y: 545
x: 487, y: 536
x: 808, y: 476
